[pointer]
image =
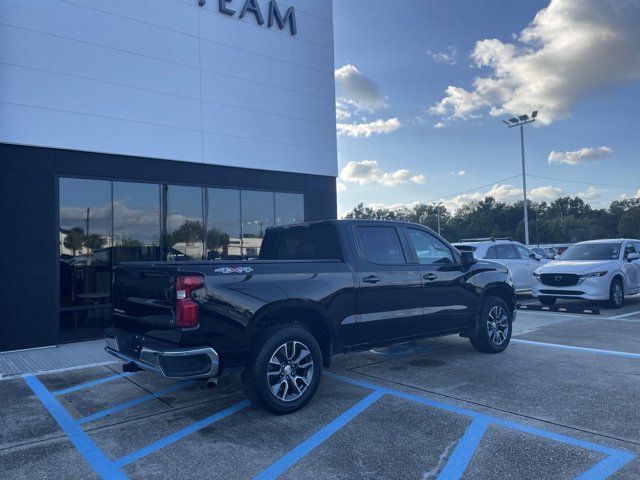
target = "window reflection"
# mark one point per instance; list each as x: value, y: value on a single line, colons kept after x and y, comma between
x: 257, y: 215
x: 223, y: 224
x: 183, y: 220
x: 85, y: 263
x: 136, y: 222
x: 289, y: 208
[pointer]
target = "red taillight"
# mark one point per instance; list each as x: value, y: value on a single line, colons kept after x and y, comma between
x: 186, y: 307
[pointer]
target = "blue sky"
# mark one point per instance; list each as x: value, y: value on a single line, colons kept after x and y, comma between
x: 404, y: 138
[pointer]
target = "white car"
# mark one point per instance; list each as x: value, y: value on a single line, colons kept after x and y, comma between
x: 520, y: 260
x: 595, y: 270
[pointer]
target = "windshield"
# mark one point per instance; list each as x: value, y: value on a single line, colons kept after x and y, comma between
x: 592, y: 251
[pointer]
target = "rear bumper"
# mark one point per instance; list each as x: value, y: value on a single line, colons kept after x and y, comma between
x: 160, y: 357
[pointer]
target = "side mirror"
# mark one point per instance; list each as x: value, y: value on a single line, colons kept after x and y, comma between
x: 556, y: 257
x: 633, y: 256
x: 467, y: 258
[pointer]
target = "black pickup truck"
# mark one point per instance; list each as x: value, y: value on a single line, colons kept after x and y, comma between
x: 317, y: 289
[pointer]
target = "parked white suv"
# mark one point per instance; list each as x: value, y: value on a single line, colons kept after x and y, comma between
x: 595, y: 270
x: 520, y: 260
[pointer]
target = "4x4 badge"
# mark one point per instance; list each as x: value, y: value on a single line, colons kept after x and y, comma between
x: 234, y: 270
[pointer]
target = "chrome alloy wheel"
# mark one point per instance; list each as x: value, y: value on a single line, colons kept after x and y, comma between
x: 290, y: 371
x: 618, y: 293
x: 498, y: 325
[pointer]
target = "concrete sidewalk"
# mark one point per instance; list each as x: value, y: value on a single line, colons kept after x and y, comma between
x: 69, y: 356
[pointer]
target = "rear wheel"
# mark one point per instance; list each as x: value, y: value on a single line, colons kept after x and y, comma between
x: 284, y: 369
x: 493, y: 333
x: 616, y: 294
x: 547, y: 300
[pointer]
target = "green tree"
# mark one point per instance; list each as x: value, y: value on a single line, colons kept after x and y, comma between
x: 190, y: 231
x: 629, y: 224
x: 94, y: 242
x: 73, y: 239
x: 217, y: 239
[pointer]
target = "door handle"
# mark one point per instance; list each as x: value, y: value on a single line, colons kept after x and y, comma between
x: 430, y: 277
x: 371, y: 279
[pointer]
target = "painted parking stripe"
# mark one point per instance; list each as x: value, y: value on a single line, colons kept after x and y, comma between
x: 597, y: 351
x: 291, y: 458
x: 466, y: 447
x: 92, y: 383
x: 133, y: 403
x: 614, y: 461
x: 92, y: 454
x: 180, y: 434
x: 624, y: 315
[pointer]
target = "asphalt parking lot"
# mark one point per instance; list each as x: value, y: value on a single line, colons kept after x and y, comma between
x: 561, y: 402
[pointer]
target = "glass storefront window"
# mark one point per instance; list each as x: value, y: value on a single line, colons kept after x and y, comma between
x: 103, y: 223
x: 85, y: 262
x: 136, y: 222
x: 257, y: 214
x: 184, y: 237
x: 289, y: 208
x: 222, y: 213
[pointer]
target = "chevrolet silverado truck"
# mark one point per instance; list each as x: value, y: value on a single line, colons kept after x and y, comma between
x: 317, y: 289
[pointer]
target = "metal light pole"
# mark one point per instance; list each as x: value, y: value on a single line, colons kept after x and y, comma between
x: 437, y: 205
x: 521, y: 121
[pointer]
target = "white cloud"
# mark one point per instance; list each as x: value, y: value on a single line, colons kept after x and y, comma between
x: 545, y: 194
x: 626, y: 196
x: 591, y: 194
x: 459, y: 173
x: 342, y: 111
x: 368, y: 129
x: 507, y: 194
x: 357, y: 89
x: 341, y: 187
x: 571, y: 49
x: 448, y: 55
x: 367, y: 171
x: 580, y: 156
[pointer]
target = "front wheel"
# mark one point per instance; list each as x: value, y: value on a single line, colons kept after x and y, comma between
x: 616, y: 294
x: 493, y: 333
x: 284, y: 369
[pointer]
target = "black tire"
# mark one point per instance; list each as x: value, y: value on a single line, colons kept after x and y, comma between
x: 547, y: 301
x: 484, y: 339
x: 261, y: 373
x: 616, y: 293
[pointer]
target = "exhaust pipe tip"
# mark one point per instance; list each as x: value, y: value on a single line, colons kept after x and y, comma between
x: 211, y: 382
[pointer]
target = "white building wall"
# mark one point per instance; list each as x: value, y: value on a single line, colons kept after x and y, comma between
x: 168, y: 79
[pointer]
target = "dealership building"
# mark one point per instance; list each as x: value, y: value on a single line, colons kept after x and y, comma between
x: 165, y: 130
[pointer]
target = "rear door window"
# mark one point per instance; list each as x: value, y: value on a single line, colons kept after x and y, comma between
x: 506, y: 252
x: 380, y: 245
x: 312, y: 242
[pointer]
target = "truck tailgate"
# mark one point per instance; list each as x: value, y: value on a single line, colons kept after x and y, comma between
x: 145, y: 296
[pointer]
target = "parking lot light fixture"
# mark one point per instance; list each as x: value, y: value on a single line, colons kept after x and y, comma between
x: 521, y: 121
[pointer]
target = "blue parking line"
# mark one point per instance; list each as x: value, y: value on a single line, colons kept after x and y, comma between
x: 406, y: 396
x: 288, y: 460
x: 615, y: 460
x: 92, y: 454
x: 92, y: 383
x: 607, y: 466
x: 613, y: 353
x: 179, y: 435
x: 133, y: 403
x: 466, y: 447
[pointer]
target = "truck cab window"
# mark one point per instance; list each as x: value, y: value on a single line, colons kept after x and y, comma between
x: 313, y: 242
x: 380, y: 245
x: 428, y: 248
